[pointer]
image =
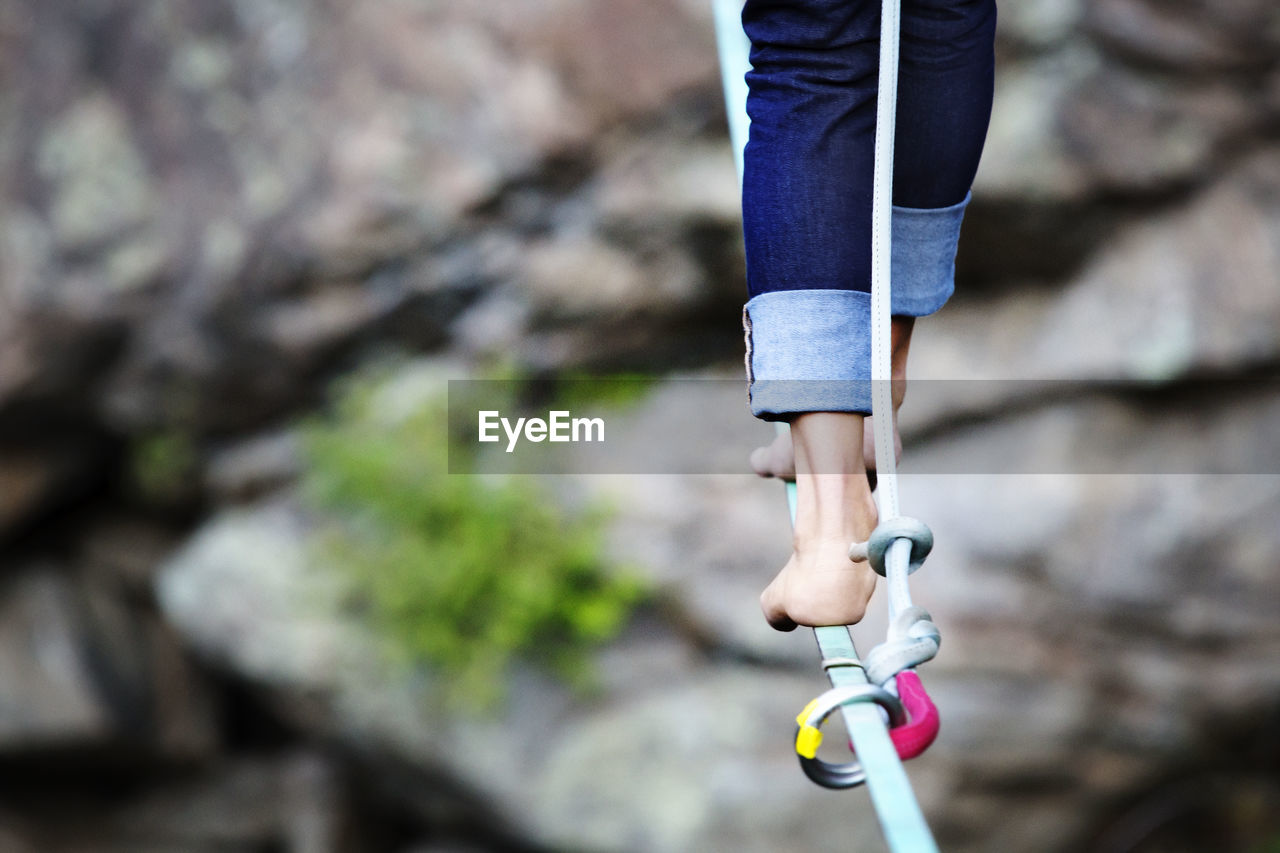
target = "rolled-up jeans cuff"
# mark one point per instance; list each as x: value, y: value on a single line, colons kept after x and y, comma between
x: 808, y: 351
x: 923, y: 260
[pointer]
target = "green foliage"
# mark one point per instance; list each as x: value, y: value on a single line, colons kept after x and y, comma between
x: 568, y: 389
x: 619, y: 390
x: 163, y: 464
x: 459, y: 572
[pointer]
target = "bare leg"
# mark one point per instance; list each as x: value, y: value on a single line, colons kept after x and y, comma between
x: 820, y: 585
x: 778, y: 459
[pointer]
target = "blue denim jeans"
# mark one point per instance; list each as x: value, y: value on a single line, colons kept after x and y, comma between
x: 806, y: 193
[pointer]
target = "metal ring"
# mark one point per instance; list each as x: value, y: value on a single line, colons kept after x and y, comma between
x: 851, y: 774
x: 890, y: 531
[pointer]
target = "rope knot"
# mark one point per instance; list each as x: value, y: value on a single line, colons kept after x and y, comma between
x: 913, y: 639
x: 891, y: 530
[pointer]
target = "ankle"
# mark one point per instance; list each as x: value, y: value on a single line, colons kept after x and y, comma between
x: 900, y: 345
x: 825, y: 445
x: 838, y: 511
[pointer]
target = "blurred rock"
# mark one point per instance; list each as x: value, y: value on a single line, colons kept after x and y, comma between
x: 244, y: 593
x: 1187, y: 293
x: 578, y: 279
x: 1026, y: 155
x: 1131, y: 133
x: 50, y: 696
x: 670, y: 187
x: 83, y: 671
x: 13, y: 838
x: 1194, y: 290
x: 291, y: 802
x: 1067, y: 126
x: 322, y: 321
x: 98, y: 178
x: 25, y: 482
x: 1189, y: 37
x: 209, y: 210
x: 1039, y: 24
x: 250, y: 468
x: 621, y: 58
x: 125, y: 550
x: 46, y: 467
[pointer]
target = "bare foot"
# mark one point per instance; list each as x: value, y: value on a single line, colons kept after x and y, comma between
x: 779, y: 460
x: 820, y: 585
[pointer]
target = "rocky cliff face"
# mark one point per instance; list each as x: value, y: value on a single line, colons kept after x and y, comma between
x: 209, y: 210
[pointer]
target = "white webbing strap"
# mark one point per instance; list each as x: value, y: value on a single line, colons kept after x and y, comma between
x: 881, y: 302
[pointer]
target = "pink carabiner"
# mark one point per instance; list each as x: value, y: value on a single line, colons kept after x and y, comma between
x: 914, y: 736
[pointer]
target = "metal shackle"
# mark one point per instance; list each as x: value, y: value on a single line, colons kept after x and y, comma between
x: 809, y: 736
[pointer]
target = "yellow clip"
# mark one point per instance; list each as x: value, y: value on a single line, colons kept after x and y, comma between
x: 807, y: 741
x: 804, y: 715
